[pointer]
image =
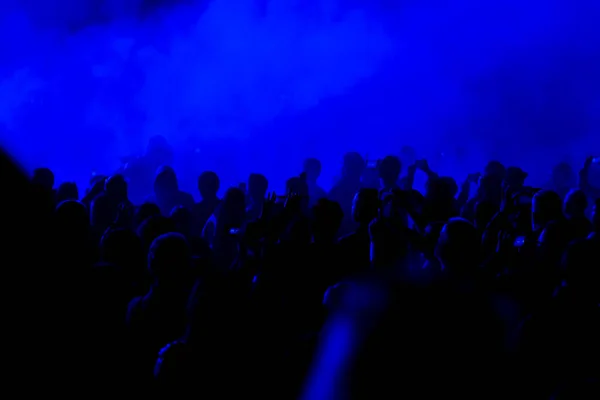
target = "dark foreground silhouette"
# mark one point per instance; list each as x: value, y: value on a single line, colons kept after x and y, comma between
x: 373, y: 290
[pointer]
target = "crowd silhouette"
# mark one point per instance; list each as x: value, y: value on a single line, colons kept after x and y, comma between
x: 485, y: 289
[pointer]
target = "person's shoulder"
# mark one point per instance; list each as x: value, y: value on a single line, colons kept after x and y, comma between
x: 169, y: 356
x: 133, y: 308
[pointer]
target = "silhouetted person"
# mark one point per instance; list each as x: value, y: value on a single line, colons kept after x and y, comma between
x: 515, y: 178
x: 553, y: 241
x: 589, y: 179
x: 344, y: 190
x: 43, y: 177
x: 546, y: 208
x: 389, y: 172
x: 458, y: 250
x: 560, y: 340
x: 106, y: 206
x: 489, y: 190
x: 67, y: 191
x: 211, y: 353
x: 167, y: 194
x: 222, y: 229
x: 208, y: 186
x: 158, y: 317
x: 440, y: 203
x: 495, y: 169
x: 297, y: 187
x: 484, y: 212
x: 312, y: 169
x: 575, y: 206
x: 96, y: 188
x: 257, y: 190
x: 183, y: 222
x: 141, y: 171
x: 26, y: 212
x: 355, y: 247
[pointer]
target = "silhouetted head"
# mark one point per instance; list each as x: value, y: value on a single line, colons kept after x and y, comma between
x: 43, y: 177
x: 354, y: 165
x: 515, y: 178
x: 458, y: 246
x: 312, y: 169
x: 257, y: 187
x: 546, y: 207
x: 67, y: 191
x: 495, y: 169
x: 144, y: 212
x: 389, y: 170
x: 576, y: 204
x: 365, y: 206
x: 328, y: 216
x: 165, y: 181
x: 596, y: 216
x: 116, y: 187
x: 169, y: 259
x: 232, y: 210
x: 441, y: 190
x: 208, y: 185
x: 182, y: 220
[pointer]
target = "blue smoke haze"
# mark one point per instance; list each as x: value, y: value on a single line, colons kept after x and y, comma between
x: 245, y: 86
